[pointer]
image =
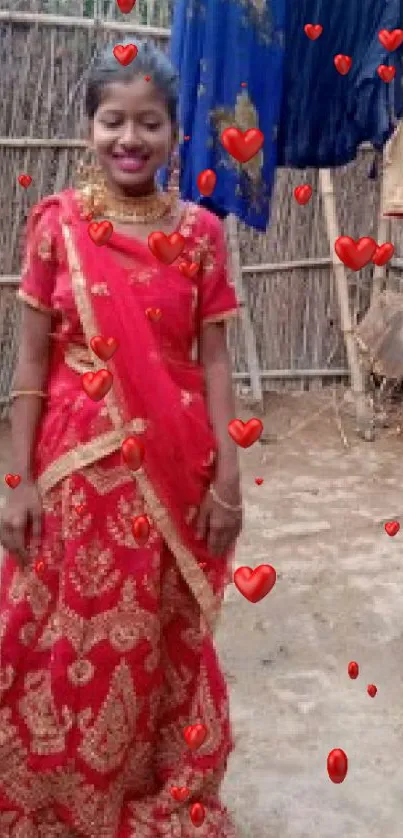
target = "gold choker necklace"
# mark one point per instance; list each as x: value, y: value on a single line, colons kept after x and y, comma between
x: 98, y: 203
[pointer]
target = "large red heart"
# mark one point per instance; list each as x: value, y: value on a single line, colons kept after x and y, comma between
x: 12, y: 480
x: 337, y: 765
x: 141, y: 529
x: 255, y: 584
x: 189, y: 269
x: 313, y: 31
x: 242, y: 145
x: 391, y: 39
x: 343, y: 64
x: 383, y: 254
x: 197, y: 814
x: 386, y: 73
x: 179, y: 793
x: 195, y: 736
x: 245, y: 433
x: 133, y: 452
x: 355, y: 254
x: 97, y: 384
x: 100, y: 232
x: 104, y: 347
x: 303, y: 193
x: 126, y: 6
x: 125, y: 53
x: 206, y: 182
x: 392, y: 528
x: 24, y: 181
x: 166, y: 248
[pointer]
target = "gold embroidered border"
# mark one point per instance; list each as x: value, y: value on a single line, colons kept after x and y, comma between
x: 33, y: 302
x: 187, y: 564
x: 78, y: 358
x: 218, y: 318
x: 86, y: 454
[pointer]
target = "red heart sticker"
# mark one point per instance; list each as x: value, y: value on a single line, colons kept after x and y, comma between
x: 166, y: 248
x: 195, y: 736
x: 189, y: 269
x: 245, y: 433
x: 343, y: 64
x: 353, y: 670
x: 383, y: 254
x: 313, y: 30
x: 243, y: 84
x: 97, y: 384
x: 125, y: 54
x: 391, y: 39
x: 242, y: 145
x: 147, y: 78
x: 79, y: 508
x: 179, y: 793
x: 303, y: 193
x: 337, y: 765
x: 12, y: 480
x: 197, y: 814
x: 104, y: 348
x: 154, y: 314
x: 133, y: 452
x: 39, y: 566
x: 258, y: 481
x: 392, y: 528
x: 24, y: 181
x: 141, y: 529
x: 386, y: 73
x: 126, y: 6
x: 206, y: 182
x: 355, y: 254
x: 187, y: 137
x: 255, y: 584
x: 372, y: 690
x: 100, y: 232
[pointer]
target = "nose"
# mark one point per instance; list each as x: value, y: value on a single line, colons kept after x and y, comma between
x: 129, y: 136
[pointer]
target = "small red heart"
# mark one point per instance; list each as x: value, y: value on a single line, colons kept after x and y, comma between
x: 24, y: 181
x: 179, y: 793
x: 353, y: 670
x: 100, y: 232
x: 187, y: 137
x: 391, y: 39
x: 189, y: 269
x: 255, y: 584
x: 126, y: 6
x: 154, y: 314
x: 197, y: 814
x: 206, y: 182
x: 39, y: 566
x: 343, y: 64
x: 104, y: 347
x: 97, y: 384
x: 383, y: 253
x: 195, y: 736
x: 242, y: 145
x: 392, y: 528
x: 245, y: 433
x: 166, y: 248
x: 79, y: 508
x: 303, y: 193
x: 147, y: 78
x: 133, y: 452
x: 125, y: 53
x: 12, y: 480
x: 313, y: 30
x: 386, y: 73
x: 141, y: 529
x: 258, y: 481
x: 243, y: 84
x: 372, y: 690
x: 355, y: 254
x: 337, y: 765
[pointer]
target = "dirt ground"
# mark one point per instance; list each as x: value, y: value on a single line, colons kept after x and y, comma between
x: 318, y: 519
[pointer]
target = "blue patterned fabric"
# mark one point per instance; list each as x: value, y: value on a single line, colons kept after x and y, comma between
x: 218, y: 46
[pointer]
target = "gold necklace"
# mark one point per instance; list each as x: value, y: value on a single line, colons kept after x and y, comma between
x: 97, y: 201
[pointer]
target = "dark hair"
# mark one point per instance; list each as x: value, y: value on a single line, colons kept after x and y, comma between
x: 149, y: 61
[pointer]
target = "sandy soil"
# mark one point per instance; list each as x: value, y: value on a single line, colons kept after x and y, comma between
x: 318, y: 519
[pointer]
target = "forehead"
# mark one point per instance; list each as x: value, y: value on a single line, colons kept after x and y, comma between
x: 134, y: 96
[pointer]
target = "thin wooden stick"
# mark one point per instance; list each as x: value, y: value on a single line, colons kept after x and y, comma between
x: 85, y: 23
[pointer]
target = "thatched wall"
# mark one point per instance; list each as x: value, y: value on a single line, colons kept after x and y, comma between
x: 293, y: 307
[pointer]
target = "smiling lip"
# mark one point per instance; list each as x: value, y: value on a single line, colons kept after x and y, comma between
x: 130, y: 164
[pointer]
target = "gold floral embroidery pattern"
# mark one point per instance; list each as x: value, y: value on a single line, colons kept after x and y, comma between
x: 39, y: 713
x: 106, y: 480
x: 81, y: 672
x: 94, y: 574
x: 44, y: 248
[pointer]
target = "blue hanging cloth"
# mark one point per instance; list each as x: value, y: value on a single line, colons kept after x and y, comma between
x: 229, y: 54
x: 325, y: 116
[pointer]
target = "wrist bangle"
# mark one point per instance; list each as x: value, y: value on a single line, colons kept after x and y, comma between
x: 223, y: 503
x: 16, y: 393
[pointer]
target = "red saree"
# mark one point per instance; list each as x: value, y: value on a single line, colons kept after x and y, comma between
x: 106, y: 652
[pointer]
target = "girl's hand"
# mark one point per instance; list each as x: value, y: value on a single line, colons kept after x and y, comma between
x: 215, y: 524
x: 22, y: 511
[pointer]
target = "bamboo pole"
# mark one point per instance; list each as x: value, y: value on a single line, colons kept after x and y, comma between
x: 85, y: 23
x: 40, y: 142
x: 364, y: 413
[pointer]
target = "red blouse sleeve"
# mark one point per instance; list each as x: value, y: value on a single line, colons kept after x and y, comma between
x: 217, y: 295
x: 40, y: 259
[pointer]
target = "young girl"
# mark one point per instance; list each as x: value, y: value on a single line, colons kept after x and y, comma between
x: 113, y: 710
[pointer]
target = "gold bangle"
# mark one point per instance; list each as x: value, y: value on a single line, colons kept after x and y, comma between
x: 15, y: 393
x: 223, y: 503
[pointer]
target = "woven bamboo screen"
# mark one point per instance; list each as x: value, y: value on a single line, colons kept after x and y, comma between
x: 286, y: 272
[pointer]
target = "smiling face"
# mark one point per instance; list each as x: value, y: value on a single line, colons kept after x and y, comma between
x: 132, y: 135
